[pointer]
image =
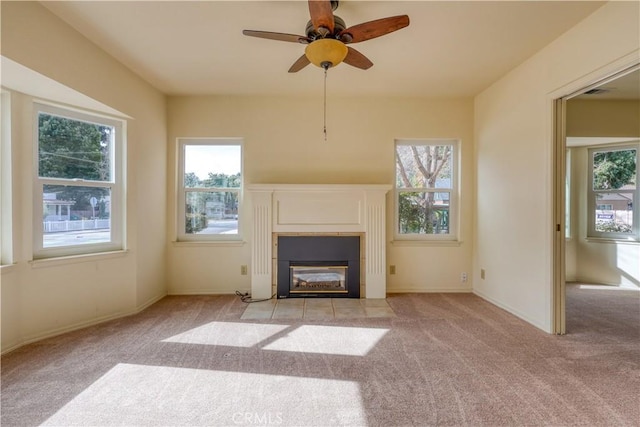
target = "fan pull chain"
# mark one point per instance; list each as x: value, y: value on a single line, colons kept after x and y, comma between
x: 325, y: 103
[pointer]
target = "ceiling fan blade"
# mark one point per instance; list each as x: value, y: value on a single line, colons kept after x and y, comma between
x: 276, y: 36
x: 321, y: 14
x: 302, y: 62
x: 372, y: 29
x: 356, y: 59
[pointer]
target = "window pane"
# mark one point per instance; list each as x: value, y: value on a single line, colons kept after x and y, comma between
x: 214, y: 212
x: 614, y: 170
x: 212, y: 166
x: 614, y: 212
x: 73, y: 149
x: 423, y: 166
x: 75, y: 215
x: 423, y: 213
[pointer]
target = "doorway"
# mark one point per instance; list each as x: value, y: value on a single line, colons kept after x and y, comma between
x: 591, y: 243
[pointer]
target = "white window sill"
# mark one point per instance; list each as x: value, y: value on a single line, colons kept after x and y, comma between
x: 74, y: 259
x: 612, y: 241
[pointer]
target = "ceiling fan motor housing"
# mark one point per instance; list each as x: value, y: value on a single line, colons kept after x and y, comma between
x: 314, y: 34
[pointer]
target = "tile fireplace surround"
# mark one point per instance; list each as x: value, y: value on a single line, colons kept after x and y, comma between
x: 317, y: 209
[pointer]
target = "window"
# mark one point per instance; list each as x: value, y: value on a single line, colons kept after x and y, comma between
x: 613, y: 178
x: 426, y: 189
x: 210, y: 189
x: 78, y: 197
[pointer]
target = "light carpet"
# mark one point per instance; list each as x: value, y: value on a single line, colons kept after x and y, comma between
x: 443, y: 360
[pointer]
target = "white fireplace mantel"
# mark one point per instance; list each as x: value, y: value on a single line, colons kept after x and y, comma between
x: 318, y: 208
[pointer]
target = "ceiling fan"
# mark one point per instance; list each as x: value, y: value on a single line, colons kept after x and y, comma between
x: 327, y: 37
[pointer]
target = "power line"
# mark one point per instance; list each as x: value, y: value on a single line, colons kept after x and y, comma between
x: 71, y: 158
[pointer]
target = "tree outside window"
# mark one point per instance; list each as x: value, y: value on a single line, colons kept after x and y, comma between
x: 613, y: 177
x: 209, y: 197
x: 425, y: 188
x: 77, y: 208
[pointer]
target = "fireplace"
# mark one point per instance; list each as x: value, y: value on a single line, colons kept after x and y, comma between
x: 299, y: 210
x: 317, y: 278
x: 318, y: 266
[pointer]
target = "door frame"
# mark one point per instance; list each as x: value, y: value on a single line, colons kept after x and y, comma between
x: 559, y: 99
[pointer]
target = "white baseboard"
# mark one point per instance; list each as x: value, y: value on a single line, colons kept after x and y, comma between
x: 427, y: 291
x: 206, y: 292
x: 513, y: 311
x: 80, y: 325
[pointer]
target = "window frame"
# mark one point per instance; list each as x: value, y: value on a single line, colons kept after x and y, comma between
x: 453, y: 190
x: 181, y: 235
x: 6, y: 181
x: 568, y: 209
x: 592, y: 201
x: 115, y: 183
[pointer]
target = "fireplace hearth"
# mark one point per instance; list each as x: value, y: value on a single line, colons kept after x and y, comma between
x: 318, y: 266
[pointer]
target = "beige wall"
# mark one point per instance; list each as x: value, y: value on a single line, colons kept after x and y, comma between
x: 508, y: 129
x: 514, y: 140
x: 40, y: 299
x: 615, y: 118
x: 284, y: 144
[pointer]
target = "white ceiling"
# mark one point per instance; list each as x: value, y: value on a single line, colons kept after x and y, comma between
x: 450, y: 49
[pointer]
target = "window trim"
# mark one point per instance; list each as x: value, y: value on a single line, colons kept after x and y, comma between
x: 116, y: 184
x: 181, y: 236
x: 568, y: 190
x: 454, y: 192
x: 6, y: 181
x: 592, y: 202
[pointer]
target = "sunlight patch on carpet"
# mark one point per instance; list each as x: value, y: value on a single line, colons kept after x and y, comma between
x: 338, y: 340
x: 158, y: 395
x: 231, y: 334
x: 608, y: 287
x: 627, y: 263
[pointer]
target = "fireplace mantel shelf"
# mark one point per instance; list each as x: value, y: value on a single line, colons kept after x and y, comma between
x: 318, y: 208
x: 318, y: 187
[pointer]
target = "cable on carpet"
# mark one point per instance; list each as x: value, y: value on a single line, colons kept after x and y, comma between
x: 246, y: 297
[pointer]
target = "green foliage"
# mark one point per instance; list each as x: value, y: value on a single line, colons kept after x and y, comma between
x: 423, y: 167
x: 191, y: 180
x: 413, y: 215
x: 614, y: 169
x: 419, y: 215
x: 613, y: 227
x: 221, y: 180
x: 72, y: 149
x: 198, y: 201
x: 195, y: 222
x: 196, y: 218
x: 214, y: 180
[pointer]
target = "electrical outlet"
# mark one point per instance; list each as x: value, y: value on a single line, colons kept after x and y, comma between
x: 463, y: 277
x: 482, y: 273
x: 392, y: 269
x: 243, y: 270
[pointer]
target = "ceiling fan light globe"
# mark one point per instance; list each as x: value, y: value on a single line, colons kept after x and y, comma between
x: 323, y: 51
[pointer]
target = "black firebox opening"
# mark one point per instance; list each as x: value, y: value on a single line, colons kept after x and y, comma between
x: 318, y: 266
